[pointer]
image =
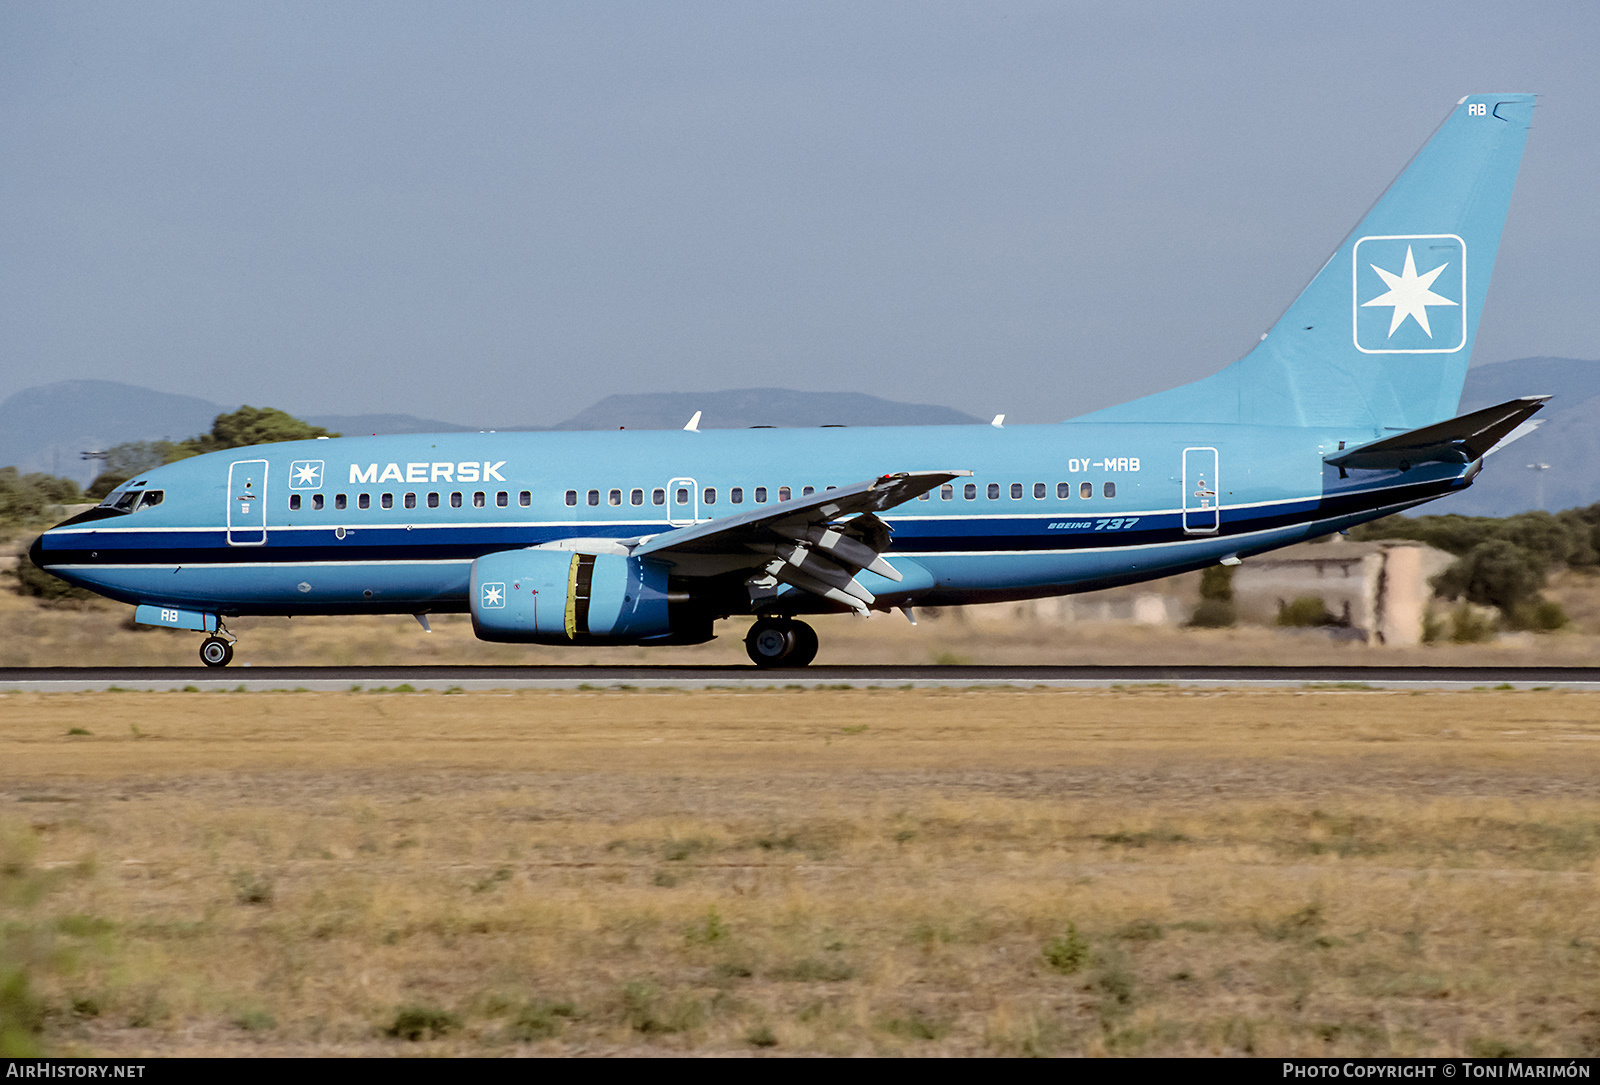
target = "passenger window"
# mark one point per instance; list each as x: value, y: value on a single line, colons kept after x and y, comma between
x: 683, y: 495
x: 807, y: 491
x: 710, y: 496
x: 387, y: 501
x: 970, y: 491
x: 455, y: 498
x: 761, y: 495
x: 1038, y: 491
x: 525, y: 498
x: 614, y: 497
x: 411, y: 501
x: 594, y: 497
x: 338, y: 502
x: 1063, y: 490
x: 636, y: 497
x: 994, y: 491
x: 783, y: 493
x: 736, y: 495
x: 478, y: 501
x: 1016, y: 491
x: 363, y: 501
x: 316, y: 501
x: 946, y: 492
x: 572, y: 498
x: 1086, y: 490
x: 658, y: 496
x: 924, y: 495
x: 502, y: 499
x: 294, y: 502
x: 1109, y: 489
x: 433, y: 501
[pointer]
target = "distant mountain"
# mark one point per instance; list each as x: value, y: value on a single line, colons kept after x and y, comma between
x: 744, y: 407
x: 1569, y: 440
x: 49, y: 427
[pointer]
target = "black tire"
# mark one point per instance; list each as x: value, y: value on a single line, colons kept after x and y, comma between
x: 770, y: 642
x: 216, y: 652
x: 805, y: 644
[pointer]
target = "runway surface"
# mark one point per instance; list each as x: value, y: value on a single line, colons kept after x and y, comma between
x: 67, y: 679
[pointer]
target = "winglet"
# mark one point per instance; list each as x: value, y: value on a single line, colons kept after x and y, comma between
x: 694, y: 423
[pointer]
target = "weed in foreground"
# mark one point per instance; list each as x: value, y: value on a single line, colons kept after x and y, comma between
x: 251, y: 888
x: 812, y: 970
x: 541, y: 1019
x: 1067, y: 953
x: 417, y: 1022
x: 645, y: 1010
x: 708, y: 931
x: 916, y: 1026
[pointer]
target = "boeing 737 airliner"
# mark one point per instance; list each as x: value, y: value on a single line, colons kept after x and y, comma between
x: 1341, y: 414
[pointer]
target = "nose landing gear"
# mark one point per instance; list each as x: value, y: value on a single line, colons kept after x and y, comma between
x: 217, y: 651
x: 781, y: 642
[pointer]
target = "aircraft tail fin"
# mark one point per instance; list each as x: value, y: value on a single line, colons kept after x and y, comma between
x: 1382, y: 336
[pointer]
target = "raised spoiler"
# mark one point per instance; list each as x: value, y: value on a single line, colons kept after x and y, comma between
x: 1462, y: 439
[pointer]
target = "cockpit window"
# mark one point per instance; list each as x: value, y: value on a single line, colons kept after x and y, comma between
x: 132, y: 500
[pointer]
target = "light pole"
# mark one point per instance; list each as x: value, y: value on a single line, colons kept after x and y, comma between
x: 1538, y: 488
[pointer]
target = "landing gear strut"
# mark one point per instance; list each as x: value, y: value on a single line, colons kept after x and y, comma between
x: 216, y: 652
x: 781, y: 642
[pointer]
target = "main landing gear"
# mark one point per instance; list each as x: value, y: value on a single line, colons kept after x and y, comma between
x: 216, y: 652
x: 781, y: 642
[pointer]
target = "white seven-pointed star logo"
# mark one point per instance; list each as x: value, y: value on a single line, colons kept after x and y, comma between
x: 493, y: 595
x: 305, y: 473
x: 1410, y: 294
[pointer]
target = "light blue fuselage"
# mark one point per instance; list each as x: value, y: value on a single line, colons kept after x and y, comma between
x: 1270, y: 488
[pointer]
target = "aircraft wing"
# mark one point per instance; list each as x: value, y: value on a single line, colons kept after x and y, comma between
x: 815, y: 544
x: 1456, y: 440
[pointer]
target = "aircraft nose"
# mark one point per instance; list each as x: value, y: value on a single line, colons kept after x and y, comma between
x: 36, y: 552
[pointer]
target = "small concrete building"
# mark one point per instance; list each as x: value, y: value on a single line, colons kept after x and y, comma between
x: 1379, y: 590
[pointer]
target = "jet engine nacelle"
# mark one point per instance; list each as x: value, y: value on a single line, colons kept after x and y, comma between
x: 560, y: 597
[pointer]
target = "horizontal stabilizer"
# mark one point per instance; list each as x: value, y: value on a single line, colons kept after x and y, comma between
x: 1458, y: 440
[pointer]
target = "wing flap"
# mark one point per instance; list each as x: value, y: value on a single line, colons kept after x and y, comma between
x: 815, y: 544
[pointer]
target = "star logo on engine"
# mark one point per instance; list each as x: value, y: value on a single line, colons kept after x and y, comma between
x: 493, y: 595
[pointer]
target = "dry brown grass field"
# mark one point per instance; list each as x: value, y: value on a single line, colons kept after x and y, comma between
x: 1136, y: 871
x: 103, y: 634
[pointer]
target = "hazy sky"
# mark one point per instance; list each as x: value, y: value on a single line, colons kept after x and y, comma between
x: 498, y: 213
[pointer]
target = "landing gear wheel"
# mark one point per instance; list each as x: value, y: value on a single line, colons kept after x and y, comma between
x: 216, y: 652
x: 805, y: 644
x: 771, y: 642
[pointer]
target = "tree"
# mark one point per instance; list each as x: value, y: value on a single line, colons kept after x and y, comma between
x: 246, y: 426
x: 26, y: 497
x: 249, y: 426
x: 1496, y: 574
x: 1216, y: 610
